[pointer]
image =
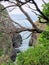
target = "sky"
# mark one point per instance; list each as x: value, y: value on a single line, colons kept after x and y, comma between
x: 17, y: 16
x: 17, y: 11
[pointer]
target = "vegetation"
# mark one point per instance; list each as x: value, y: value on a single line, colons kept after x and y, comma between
x: 46, y: 9
x: 5, y: 61
x: 40, y: 54
x: 34, y: 56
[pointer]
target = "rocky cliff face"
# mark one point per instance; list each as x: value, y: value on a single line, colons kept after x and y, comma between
x: 34, y: 36
x: 8, y: 42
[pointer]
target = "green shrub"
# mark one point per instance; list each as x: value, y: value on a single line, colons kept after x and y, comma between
x: 1, y: 51
x: 45, y: 11
x: 34, y: 56
x: 40, y: 54
x: 44, y: 38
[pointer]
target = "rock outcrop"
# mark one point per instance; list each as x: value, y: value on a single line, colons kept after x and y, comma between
x: 34, y: 36
x: 8, y: 42
x: 33, y: 39
x: 17, y: 40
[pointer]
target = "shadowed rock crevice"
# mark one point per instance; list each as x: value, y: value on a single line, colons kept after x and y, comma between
x: 16, y: 42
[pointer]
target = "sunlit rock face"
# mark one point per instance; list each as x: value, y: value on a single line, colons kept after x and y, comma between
x: 6, y: 23
x: 8, y: 42
x: 5, y: 39
x: 34, y: 36
x: 33, y: 39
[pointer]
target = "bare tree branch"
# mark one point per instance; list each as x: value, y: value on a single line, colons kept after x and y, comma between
x: 44, y: 2
x: 19, y: 30
x: 27, y: 36
x: 7, y: 7
x: 28, y: 18
x: 18, y: 24
x: 19, y: 4
x: 44, y: 16
x: 33, y: 10
x: 22, y: 3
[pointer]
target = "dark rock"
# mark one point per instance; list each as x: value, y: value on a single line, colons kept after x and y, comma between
x: 30, y: 42
x: 17, y: 50
x: 17, y: 40
x: 14, y: 53
x: 13, y: 57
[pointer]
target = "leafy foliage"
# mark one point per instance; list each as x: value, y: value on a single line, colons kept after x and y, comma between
x: 44, y: 38
x: 34, y: 56
x: 45, y: 12
x: 40, y: 54
x: 46, y: 9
